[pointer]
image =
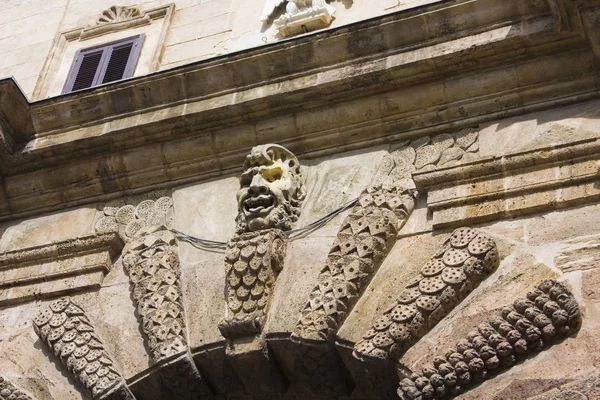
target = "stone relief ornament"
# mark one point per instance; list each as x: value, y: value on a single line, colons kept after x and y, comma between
x: 300, y: 16
x: 68, y: 332
x: 152, y: 263
x: 467, y: 257
x: 127, y: 216
x: 271, y: 190
x: 531, y: 324
x: 363, y: 241
x: 8, y: 391
x: 118, y: 14
x: 252, y: 261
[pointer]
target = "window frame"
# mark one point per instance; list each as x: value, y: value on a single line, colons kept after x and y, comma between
x: 106, y: 49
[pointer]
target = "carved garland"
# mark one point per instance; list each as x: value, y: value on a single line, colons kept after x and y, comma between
x: 8, y: 391
x: 528, y: 326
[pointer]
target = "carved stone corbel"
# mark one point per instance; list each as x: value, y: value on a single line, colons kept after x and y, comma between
x: 68, y: 332
x: 152, y: 262
x: 545, y: 316
x: 8, y: 391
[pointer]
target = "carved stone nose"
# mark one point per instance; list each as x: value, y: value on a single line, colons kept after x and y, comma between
x: 258, y: 186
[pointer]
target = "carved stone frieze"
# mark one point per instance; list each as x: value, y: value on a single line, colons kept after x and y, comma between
x: 467, y: 257
x: 152, y: 262
x: 127, y: 216
x: 67, y: 331
x: 8, y: 391
x: 545, y: 316
x: 363, y: 241
x: 252, y: 261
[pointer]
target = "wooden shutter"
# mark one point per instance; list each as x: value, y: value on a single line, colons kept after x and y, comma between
x: 104, y: 64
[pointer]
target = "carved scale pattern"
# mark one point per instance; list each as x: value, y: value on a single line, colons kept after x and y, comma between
x: 184, y: 381
x: 546, y: 315
x: 467, y: 257
x: 8, y: 391
x: 252, y: 263
x: 66, y: 330
x: 365, y: 237
x: 152, y: 263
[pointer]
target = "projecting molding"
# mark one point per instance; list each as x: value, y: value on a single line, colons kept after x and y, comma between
x: 57, y: 268
x: 516, y: 184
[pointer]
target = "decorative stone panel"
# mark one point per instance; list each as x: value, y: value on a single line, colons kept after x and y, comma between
x: 64, y: 327
x: 545, y: 316
x: 127, y: 216
x: 365, y: 237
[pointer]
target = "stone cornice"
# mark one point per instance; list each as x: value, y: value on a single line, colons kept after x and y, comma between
x: 402, y: 75
x: 57, y: 268
x: 516, y: 184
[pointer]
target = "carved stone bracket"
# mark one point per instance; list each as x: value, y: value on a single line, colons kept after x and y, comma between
x: 364, y: 239
x: 8, y: 391
x: 305, y: 19
x: 467, y: 257
x: 252, y: 261
x: 152, y: 262
x: 68, y: 332
x: 545, y: 316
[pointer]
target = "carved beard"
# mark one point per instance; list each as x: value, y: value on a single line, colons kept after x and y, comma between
x: 281, y: 217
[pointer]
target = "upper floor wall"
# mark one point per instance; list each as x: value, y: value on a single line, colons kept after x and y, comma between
x: 39, y: 38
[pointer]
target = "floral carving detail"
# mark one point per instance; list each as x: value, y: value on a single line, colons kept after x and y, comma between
x: 152, y: 262
x: 546, y: 315
x: 67, y: 331
x: 252, y: 264
x: 467, y: 257
x: 8, y: 391
x: 365, y: 237
x: 128, y: 216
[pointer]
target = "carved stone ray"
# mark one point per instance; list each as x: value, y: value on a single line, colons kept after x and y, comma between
x: 64, y: 327
x: 530, y: 325
x: 8, y: 391
x: 466, y: 258
x: 152, y: 262
x: 363, y: 241
x: 253, y: 261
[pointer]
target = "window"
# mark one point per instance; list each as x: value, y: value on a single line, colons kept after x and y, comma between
x: 103, y: 64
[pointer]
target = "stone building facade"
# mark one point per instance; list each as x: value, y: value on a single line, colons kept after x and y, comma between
x: 271, y: 199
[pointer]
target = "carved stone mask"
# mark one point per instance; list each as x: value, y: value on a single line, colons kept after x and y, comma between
x: 271, y: 190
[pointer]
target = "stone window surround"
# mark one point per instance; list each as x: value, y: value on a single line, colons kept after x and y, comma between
x: 66, y: 43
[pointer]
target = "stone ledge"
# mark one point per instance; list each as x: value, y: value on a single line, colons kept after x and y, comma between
x: 56, y: 268
x: 379, y: 85
x: 516, y: 184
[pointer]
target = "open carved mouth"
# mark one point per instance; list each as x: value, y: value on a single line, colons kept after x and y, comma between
x: 259, y: 204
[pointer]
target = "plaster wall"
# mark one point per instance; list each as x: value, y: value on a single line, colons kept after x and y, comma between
x: 30, y: 31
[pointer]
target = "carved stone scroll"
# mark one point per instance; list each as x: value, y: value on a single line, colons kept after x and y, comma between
x: 546, y: 315
x: 363, y: 241
x: 467, y: 257
x: 67, y: 331
x: 152, y: 263
x: 8, y: 391
x: 252, y: 261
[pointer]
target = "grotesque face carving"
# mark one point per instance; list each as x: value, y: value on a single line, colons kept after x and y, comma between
x: 271, y: 190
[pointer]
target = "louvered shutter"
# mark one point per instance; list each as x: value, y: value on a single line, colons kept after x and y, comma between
x: 103, y: 64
